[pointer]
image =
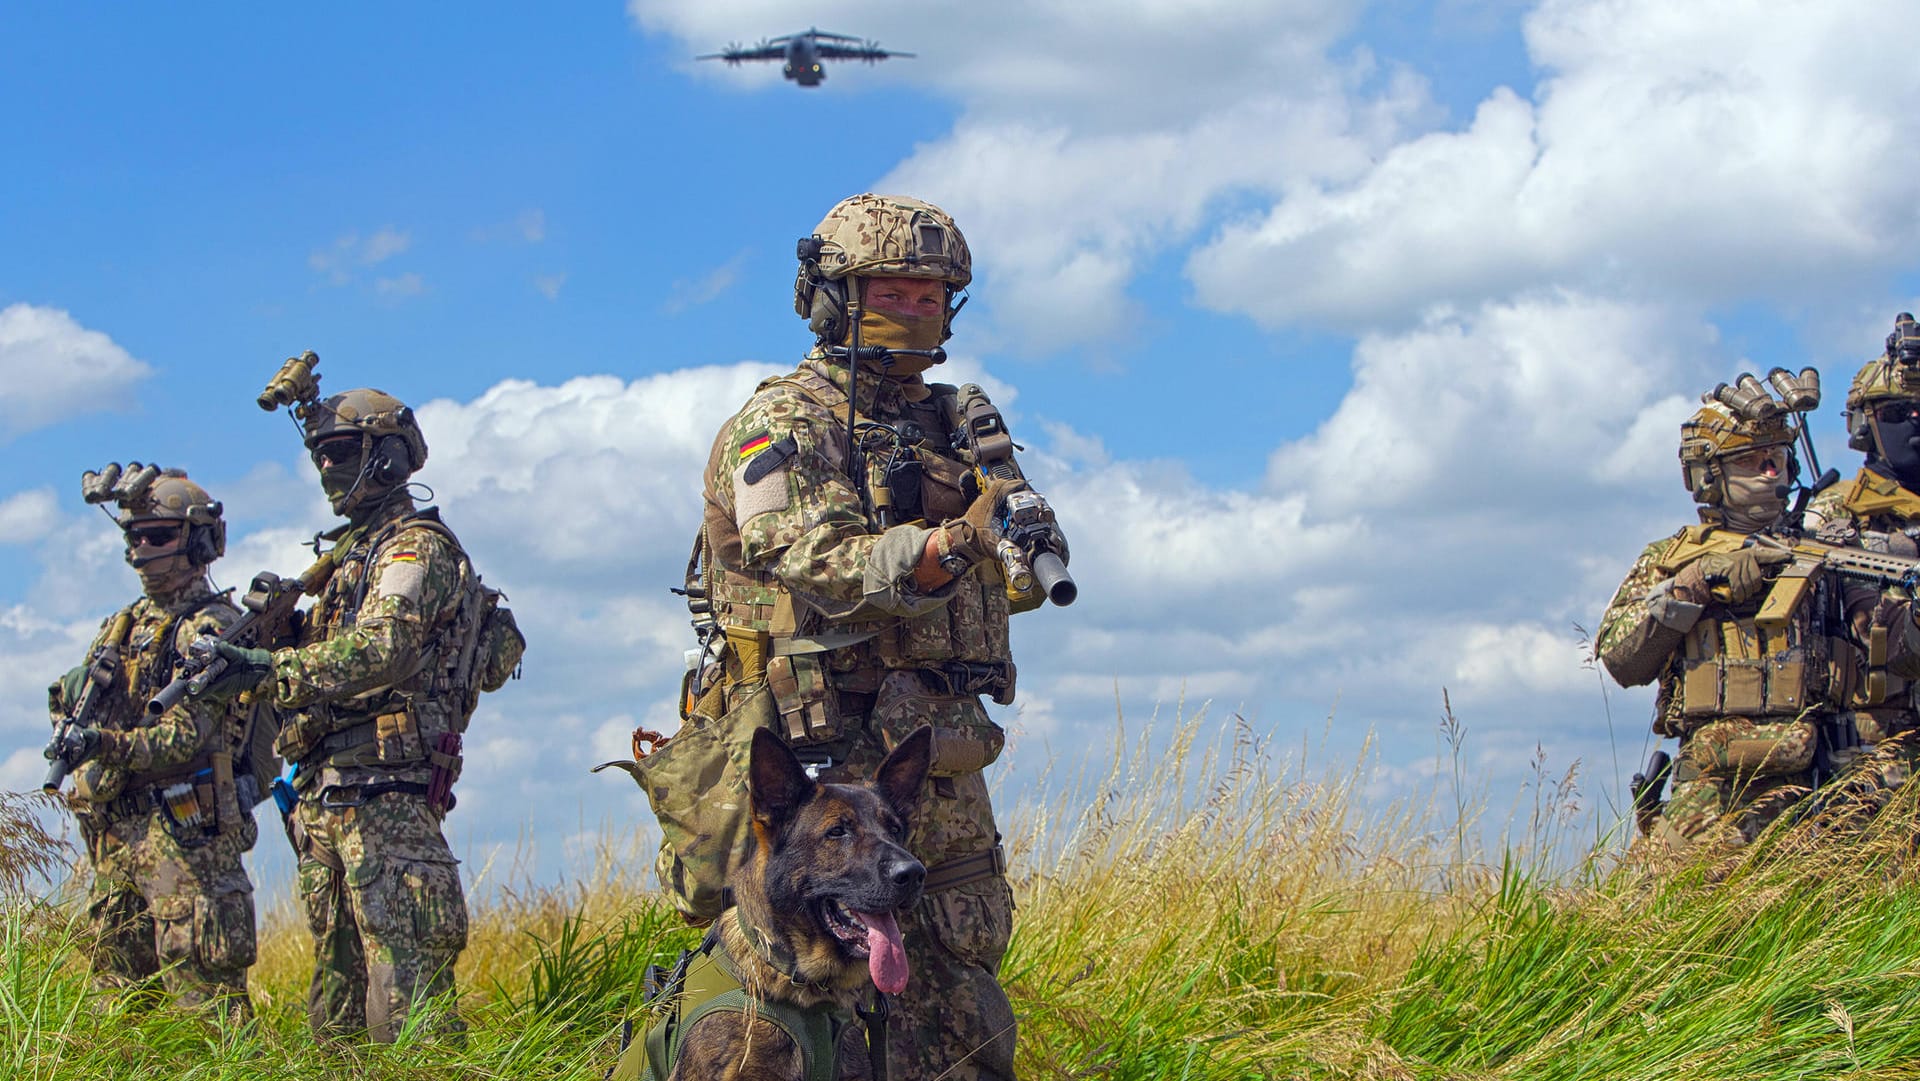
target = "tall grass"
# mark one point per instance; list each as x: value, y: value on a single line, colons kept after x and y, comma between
x: 1198, y: 906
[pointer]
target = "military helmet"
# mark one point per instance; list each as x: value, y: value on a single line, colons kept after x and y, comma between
x: 876, y: 236
x: 1716, y: 430
x: 1892, y: 375
x: 171, y: 497
x: 377, y: 417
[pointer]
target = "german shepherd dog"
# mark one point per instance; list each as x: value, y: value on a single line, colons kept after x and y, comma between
x: 829, y: 874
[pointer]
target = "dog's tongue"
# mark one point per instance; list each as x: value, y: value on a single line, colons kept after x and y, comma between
x: 886, y: 955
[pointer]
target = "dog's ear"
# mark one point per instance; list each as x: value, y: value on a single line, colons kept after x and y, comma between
x: 901, y: 776
x: 775, y: 778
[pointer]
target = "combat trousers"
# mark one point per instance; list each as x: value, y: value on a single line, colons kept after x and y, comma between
x: 160, y: 909
x: 954, y: 1020
x: 1724, y: 811
x: 387, y: 912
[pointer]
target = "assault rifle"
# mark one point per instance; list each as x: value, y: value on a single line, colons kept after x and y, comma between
x: 269, y: 608
x: 1812, y: 558
x: 63, y: 750
x: 1030, y: 546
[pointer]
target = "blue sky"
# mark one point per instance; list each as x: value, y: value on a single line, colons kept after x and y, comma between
x: 1350, y: 339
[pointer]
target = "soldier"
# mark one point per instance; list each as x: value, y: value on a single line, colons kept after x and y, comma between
x: 1879, y: 510
x: 377, y: 692
x: 862, y: 590
x: 163, y: 812
x: 1747, y: 698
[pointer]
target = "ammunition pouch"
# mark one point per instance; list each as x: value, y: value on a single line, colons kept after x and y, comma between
x: 389, y: 738
x: 1735, y: 667
x: 1740, y: 748
x: 803, y: 692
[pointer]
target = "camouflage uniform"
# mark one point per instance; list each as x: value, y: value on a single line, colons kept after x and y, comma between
x: 1749, y: 729
x: 1753, y: 700
x: 817, y: 598
x: 166, y: 899
x: 370, y: 696
x: 1880, y: 742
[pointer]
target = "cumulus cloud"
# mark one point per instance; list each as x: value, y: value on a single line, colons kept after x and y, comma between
x: 1692, y: 153
x: 1094, y: 138
x: 52, y: 368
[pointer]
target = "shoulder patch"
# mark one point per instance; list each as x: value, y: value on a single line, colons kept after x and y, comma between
x: 767, y: 458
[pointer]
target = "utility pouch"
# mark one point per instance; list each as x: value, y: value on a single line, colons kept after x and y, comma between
x: 1742, y: 749
x: 302, y: 733
x: 186, y: 809
x: 446, y: 761
x: 397, y: 737
x: 696, y: 783
x: 226, y: 796
x: 803, y: 692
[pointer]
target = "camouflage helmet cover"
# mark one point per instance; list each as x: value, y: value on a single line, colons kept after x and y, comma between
x: 1890, y: 376
x: 1714, y: 431
x: 173, y: 498
x: 373, y: 414
x: 892, y: 236
x: 876, y: 236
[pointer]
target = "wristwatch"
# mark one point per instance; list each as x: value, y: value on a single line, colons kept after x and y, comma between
x: 951, y: 562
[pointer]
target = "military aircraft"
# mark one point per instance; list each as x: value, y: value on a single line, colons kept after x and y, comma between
x: 803, y: 53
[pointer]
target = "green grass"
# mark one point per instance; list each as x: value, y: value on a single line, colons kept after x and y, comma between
x: 1205, y: 910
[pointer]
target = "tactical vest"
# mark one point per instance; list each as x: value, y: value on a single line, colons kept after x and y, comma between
x: 704, y: 982
x: 790, y: 645
x: 399, y: 725
x: 1730, y: 665
x: 148, y: 656
x: 1884, y: 511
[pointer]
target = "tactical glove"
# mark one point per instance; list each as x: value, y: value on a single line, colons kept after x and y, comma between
x: 79, y: 745
x: 244, y: 671
x: 1727, y: 577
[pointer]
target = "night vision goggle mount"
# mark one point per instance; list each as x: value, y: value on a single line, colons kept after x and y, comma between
x: 127, y: 487
x: 296, y: 385
x: 1799, y: 394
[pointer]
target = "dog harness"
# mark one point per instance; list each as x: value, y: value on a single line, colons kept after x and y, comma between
x: 703, y: 981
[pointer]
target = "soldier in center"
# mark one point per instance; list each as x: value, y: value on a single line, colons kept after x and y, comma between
x: 852, y: 568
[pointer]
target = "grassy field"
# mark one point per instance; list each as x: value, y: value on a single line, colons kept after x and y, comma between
x: 1201, y: 911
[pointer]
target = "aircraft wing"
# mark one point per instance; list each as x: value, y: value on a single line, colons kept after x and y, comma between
x: 822, y: 35
x: 869, y: 52
x: 774, y: 49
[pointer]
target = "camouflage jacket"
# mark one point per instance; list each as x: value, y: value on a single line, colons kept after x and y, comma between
x: 1648, y: 634
x: 371, y: 641
x: 135, y: 748
x: 802, y: 549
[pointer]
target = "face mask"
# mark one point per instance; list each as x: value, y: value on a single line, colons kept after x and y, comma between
x: 1754, y: 499
x: 1898, y: 441
x: 893, y: 331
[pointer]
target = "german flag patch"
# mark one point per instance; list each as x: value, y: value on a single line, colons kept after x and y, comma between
x: 755, y: 444
x: 404, y: 556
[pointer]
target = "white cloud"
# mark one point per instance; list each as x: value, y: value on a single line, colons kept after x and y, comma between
x: 52, y: 368
x: 404, y: 285
x: 384, y: 244
x: 1093, y: 139
x: 548, y: 285
x: 28, y: 517
x: 1699, y: 153
x: 691, y: 293
x: 336, y: 261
